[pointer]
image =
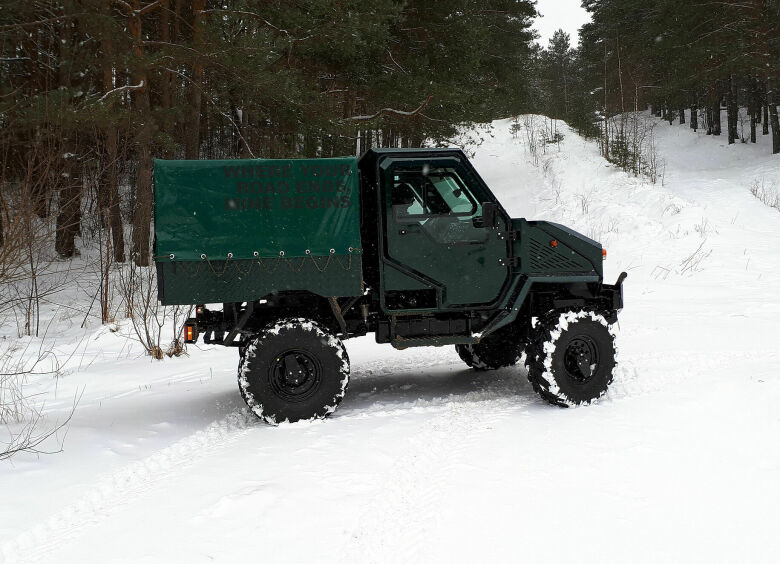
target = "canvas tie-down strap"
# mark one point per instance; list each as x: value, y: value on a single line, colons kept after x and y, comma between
x: 245, y: 267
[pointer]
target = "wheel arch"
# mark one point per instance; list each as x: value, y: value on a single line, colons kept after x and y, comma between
x: 304, y: 304
x: 536, y: 296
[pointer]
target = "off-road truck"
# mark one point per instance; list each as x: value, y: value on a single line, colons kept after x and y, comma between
x: 284, y: 259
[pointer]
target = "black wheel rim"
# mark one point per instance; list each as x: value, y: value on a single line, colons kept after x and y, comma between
x: 581, y: 359
x: 295, y: 375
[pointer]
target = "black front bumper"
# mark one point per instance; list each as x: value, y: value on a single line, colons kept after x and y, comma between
x: 612, y: 295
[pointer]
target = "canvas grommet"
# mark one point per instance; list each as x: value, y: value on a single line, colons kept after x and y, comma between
x: 308, y: 252
x: 230, y: 255
x: 281, y: 253
x: 256, y: 254
x: 171, y: 256
x: 203, y: 257
x: 332, y: 251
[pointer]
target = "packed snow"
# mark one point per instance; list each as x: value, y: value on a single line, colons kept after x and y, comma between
x: 428, y: 461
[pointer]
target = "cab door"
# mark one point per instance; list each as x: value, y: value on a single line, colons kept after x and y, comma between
x: 437, y: 253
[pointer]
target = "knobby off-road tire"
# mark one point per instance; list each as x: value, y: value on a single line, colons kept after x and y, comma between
x: 293, y: 370
x: 571, y: 358
x: 502, y: 348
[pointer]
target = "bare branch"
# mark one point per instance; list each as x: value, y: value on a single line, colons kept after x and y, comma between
x: 261, y: 18
x: 149, y: 7
x: 125, y: 5
x: 391, y: 111
x: 41, y: 22
x: 403, y: 70
x: 243, y: 13
x: 29, y: 439
x: 122, y: 89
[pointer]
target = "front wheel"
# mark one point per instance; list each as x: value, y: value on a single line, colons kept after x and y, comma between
x: 293, y: 370
x: 571, y: 359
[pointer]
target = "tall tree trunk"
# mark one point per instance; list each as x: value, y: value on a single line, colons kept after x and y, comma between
x: 40, y: 195
x: 192, y: 139
x: 763, y: 108
x: 39, y: 191
x: 716, y: 125
x: 695, y: 116
x: 753, y: 127
x: 682, y: 116
x: 108, y: 191
x: 753, y: 107
x: 114, y: 211
x: 2, y: 214
x: 245, y: 154
x: 768, y: 32
x: 166, y: 77
x: 765, y: 121
x: 606, y: 112
x: 142, y: 212
x: 771, y: 97
x: 69, y: 204
x: 177, y: 20
x: 730, y: 105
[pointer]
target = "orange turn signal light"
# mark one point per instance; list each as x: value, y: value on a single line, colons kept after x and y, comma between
x: 189, y: 334
x: 604, y: 254
x: 553, y: 243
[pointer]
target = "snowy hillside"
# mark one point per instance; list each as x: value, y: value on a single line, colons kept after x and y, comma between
x: 427, y: 461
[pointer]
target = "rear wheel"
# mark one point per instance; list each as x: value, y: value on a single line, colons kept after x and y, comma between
x: 571, y: 358
x: 499, y: 349
x: 293, y: 370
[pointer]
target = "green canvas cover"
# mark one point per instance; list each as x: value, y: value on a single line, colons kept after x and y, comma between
x: 257, y: 207
x: 238, y: 230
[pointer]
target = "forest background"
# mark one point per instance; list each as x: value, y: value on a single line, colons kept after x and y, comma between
x: 91, y: 91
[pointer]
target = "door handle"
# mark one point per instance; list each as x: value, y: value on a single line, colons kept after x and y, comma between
x: 409, y: 229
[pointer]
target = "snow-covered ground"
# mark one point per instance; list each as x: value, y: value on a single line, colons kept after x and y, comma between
x: 428, y: 461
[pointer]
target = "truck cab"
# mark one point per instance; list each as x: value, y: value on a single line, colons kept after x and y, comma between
x: 450, y: 263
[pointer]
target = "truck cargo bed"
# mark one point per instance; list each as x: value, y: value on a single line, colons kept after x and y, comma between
x: 237, y: 230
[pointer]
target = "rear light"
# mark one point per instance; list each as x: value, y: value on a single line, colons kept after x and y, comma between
x: 603, y: 254
x: 190, y: 333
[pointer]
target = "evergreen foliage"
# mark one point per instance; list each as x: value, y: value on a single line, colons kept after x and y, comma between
x: 92, y: 90
x: 684, y: 58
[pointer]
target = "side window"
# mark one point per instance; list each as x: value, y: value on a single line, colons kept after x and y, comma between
x: 406, y: 195
x: 454, y: 196
x: 429, y: 192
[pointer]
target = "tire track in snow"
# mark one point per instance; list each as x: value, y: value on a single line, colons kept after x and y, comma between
x: 124, y: 485
x: 397, y: 519
x: 110, y: 493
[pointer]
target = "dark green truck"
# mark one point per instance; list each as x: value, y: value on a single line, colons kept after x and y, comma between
x: 410, y: 245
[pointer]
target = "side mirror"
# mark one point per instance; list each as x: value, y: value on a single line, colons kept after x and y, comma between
x: 489, y: 215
